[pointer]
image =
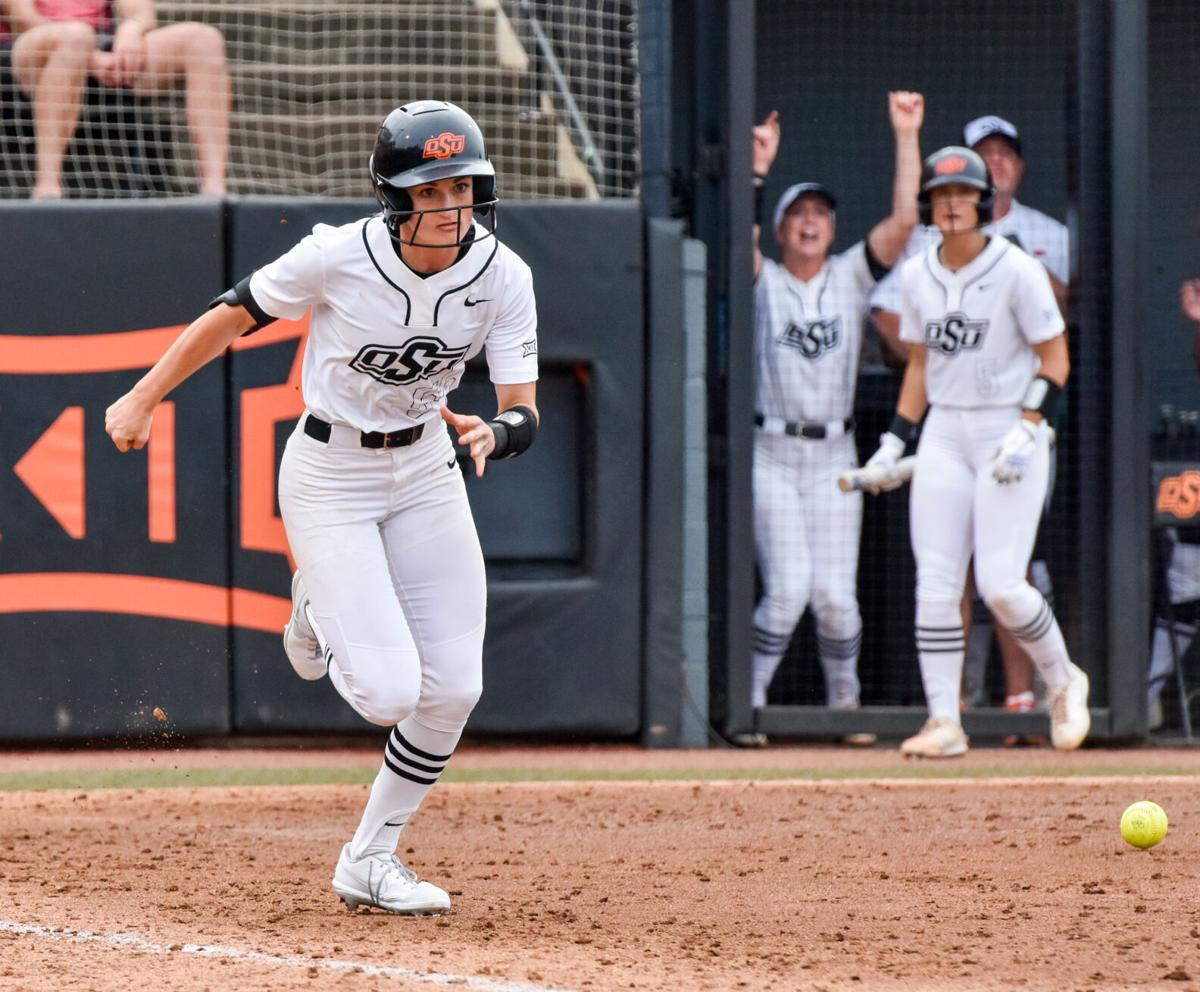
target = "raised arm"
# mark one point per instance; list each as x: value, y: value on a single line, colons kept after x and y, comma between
x: 766, y: 147
x: 888, y: 237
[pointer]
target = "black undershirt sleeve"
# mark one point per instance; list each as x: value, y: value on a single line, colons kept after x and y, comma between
x: 878, y: 269
x: 240, y: 295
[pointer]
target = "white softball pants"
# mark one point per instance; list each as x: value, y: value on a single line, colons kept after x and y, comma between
x: 958, y: 509
x: 387, y: 546
x: 806, y: 532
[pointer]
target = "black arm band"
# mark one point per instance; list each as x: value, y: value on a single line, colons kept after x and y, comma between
x: 515, y: 430
x: 240, y: 296
x: 877, y: 268
x: 760, y: 195
x: 1043, y: 396
x: 903, y: 428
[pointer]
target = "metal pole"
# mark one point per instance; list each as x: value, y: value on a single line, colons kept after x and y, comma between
x: 591, y: 155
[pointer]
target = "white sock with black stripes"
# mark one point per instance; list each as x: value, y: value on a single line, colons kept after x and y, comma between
x: 941, y: 646
x: 839, y: 662
x: 768, y: 652
x: 413, y: 760
x: 1043, y: 642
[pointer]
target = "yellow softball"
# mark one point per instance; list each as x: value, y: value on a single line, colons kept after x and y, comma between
x: 1144, y: 824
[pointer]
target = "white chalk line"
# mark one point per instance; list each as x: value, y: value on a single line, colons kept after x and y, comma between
x: 134, y: 942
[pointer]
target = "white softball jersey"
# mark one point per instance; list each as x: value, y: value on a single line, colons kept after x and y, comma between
x: 808, y: 336
x: 385, y: 345
x: 978, y: 324
x: 1039, y: 235
x: 1036, y: 233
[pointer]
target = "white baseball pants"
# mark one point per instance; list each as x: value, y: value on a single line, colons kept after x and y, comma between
x: 957, y: 509
x: 807, y: 532
x: 387, y: 546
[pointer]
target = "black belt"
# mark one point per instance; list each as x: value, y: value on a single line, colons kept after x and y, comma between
x: 794, y: 428
x: 319, y: 430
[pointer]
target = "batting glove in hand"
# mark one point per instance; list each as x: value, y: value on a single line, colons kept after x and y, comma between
x: 891, y: 449
x: 1015, y: 452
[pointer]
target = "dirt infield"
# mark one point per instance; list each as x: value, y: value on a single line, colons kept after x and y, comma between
x: 886, y: 883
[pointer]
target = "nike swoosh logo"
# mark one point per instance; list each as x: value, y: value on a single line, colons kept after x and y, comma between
x: 472, y: 303
x: 452, y: 463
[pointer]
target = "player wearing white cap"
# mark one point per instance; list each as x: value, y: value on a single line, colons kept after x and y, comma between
x: 390, y: 593
x: 987, y: 359
x: 809, y: 310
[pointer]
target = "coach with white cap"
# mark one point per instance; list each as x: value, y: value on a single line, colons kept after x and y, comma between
x: 999, y: 145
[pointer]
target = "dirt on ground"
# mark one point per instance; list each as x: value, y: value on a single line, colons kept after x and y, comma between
x: 964, y: 884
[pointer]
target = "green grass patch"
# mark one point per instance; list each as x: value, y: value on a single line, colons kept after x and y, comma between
x: 160, y: 778
x: 181, y: 778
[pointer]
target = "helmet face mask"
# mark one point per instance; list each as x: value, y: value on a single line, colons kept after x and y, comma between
x: 425, y: 142
x: 959, y: 166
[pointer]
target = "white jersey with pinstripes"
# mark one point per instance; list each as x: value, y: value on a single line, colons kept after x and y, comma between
x: 979, y: 323
x: 808, y: 336
x: 386, y: 346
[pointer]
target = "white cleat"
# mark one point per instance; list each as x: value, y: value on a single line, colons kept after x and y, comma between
x: 380, y: 880
x: 1070, y: 720
x: 300, y: 643
x: 939, y: 738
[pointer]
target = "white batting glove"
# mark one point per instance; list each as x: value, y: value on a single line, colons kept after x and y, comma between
x: 1015, y: 453
x: 891, y: 450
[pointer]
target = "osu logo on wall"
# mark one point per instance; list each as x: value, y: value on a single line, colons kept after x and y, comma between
x: 955, y: 333
x: 416, y: 359
x: 1179, y: 495
x: 444, y: 145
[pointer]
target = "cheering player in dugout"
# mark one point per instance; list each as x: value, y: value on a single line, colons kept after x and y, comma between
x: 808, y: 319
x: 988, y: 360
x: 390, y: 594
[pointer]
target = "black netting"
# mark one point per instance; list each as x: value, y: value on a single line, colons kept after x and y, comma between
x: 1172, y: 370
x: 827, y: 70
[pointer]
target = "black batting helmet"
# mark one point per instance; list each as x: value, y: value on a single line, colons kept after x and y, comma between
x: 956, y: 165
x: 424, y: 142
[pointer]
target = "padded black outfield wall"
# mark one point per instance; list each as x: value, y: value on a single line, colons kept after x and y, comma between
x: 113, y: 568
x: 160, y: 578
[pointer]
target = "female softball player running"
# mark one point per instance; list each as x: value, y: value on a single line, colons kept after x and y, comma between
x: 808, y: 317
x: 371, y: 496
x: 988, y: 359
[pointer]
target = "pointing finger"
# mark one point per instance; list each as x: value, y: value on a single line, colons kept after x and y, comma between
x: 451, y: 417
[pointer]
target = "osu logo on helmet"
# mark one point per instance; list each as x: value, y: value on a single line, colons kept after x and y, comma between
x: 951, y: 163
x: 444, y: 145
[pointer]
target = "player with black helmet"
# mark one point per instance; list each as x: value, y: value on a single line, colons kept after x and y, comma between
x: 389, y: 594
x: 425, y: 142
x: 988, y: 360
